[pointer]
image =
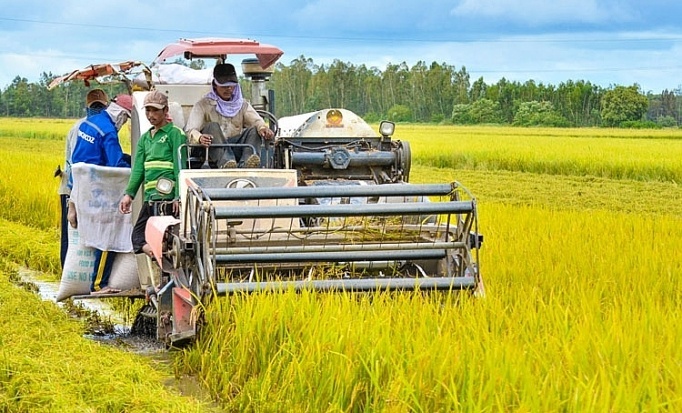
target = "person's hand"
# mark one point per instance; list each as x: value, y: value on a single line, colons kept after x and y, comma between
x: 176, y: 208
x: 266, y: 133
x: 206, y: 140
x: 124, y: 205
x: 71, y: 215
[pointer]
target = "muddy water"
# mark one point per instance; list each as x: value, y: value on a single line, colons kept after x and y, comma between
x: 114, y: 328
x: 118, y: 334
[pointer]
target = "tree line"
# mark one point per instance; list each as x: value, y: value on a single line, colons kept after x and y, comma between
x: 434, y: 93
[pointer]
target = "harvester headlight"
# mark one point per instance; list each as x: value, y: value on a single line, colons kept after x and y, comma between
x: 386, y: 128
x: 334, y: 117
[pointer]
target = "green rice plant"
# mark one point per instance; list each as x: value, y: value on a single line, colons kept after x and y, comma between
x: 28, y: 189
x: 46, y: 129
x: 30, y: 247
x: 35, y: 128
x: 582, y: 312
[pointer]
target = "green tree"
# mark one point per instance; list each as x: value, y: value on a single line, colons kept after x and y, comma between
x: 400, y: 113
x: 395, y: 81
x: 461, y: 114
x: 485, y: 111
x: 622, y: 104
x: 578, y: 102
x: 293, y: 83
x: 441, y: 89
x: 669, y: 105
x: 461, y: 84
x: 478, y: 90
x: 536, y: 113
x: 480, y: 111
x: 18, y: 98
x: 505, y: 94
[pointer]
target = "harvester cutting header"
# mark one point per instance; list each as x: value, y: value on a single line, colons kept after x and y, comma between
x: 329, y: 207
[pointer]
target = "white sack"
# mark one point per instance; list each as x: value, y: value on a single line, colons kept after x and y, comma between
x: 97, y: 191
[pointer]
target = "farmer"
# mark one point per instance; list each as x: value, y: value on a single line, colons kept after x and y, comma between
x: 95, y: 102
x: 156, y: 159
x: 224, y: 116
x: 97, y: 143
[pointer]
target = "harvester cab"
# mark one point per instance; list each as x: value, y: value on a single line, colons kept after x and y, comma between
x: 330, y: 209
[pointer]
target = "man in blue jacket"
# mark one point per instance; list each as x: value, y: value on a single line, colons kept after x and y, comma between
x: 97, y: 143
x: 93, y: 100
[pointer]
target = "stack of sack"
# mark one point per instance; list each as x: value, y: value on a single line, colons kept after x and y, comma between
x: 96, y: 193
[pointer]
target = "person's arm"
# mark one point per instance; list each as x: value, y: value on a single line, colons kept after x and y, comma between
x: 113, y: 150
x: 124, y: 207
x: 137, y: 171
x: 136, y: 177
x: 252, y: 118
x: 69, y: 144
x: 194, y: 123
x: 68, y: 148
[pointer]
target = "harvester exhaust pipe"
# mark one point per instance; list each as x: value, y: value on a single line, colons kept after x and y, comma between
x: 260, y: 96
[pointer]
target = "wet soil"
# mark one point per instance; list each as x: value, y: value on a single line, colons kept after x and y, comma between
x: 103, y: 322
x: 110, y: 326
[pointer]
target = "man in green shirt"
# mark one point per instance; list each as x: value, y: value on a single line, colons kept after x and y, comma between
x: 157, y: 166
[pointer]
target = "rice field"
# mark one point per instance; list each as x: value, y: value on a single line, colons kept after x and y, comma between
x: 581, y: 263
x: 47, y: 366
x: 609, y: 153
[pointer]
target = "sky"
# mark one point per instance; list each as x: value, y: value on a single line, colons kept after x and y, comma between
x: 605, y: 42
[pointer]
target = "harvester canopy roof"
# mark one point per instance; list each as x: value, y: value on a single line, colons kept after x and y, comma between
x: 218, y: 48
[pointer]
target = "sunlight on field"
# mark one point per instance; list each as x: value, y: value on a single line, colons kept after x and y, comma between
x: 28, y: 189
x: 582, y: 193
x: 638, y: 155
x: 568, y: 324
x: 583, y: 311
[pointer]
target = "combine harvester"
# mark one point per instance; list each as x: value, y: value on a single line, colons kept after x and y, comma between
x: 330, y: 209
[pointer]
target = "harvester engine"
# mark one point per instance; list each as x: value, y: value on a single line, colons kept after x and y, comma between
x: 336, y: 144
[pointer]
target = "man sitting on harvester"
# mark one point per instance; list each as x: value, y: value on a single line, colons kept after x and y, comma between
x: 223, y: 116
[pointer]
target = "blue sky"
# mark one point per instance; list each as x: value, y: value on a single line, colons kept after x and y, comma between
x: 606, y: 42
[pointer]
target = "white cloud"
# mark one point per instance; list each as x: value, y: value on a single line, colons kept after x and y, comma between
x: 543, y: 12
x: 550, y: 44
